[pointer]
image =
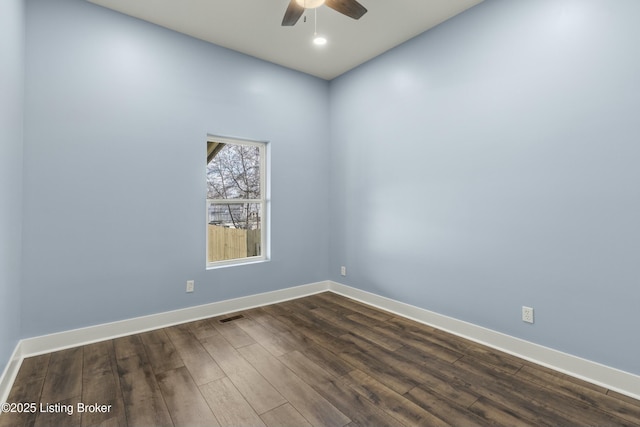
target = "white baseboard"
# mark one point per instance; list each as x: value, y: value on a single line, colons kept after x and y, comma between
x: 593, y: 372
x: 10, y: 372
x: 605, y: 376
x: 73, y: 338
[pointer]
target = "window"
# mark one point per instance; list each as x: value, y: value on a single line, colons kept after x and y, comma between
x: 236, y: 201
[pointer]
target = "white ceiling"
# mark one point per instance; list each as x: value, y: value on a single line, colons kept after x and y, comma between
x: 253, y: 27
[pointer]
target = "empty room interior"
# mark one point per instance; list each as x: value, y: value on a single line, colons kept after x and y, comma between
x: 443, y: 230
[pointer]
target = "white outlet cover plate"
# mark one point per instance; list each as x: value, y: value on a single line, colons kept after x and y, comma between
x: 527, y: 314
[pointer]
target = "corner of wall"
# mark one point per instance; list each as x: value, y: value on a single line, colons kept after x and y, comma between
x: 12, y: 59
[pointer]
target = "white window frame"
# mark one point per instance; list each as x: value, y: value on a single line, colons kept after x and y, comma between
x: 263, y: 201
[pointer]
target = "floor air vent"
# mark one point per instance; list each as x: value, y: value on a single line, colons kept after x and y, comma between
x: 231, y: 319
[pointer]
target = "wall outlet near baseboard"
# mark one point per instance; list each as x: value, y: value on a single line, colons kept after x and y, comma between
x: 190, y: 285
x: 527, y: 314
x: 343, y: 271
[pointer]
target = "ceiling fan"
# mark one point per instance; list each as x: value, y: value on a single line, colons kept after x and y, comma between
x: 296, y: 8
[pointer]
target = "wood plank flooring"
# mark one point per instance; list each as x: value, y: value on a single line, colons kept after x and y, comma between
x: 322, y: 360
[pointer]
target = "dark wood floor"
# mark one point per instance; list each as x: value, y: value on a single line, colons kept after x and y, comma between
x: 320, y: 360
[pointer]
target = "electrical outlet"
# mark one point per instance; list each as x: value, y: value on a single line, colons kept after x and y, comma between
x: 343, y: 271
x: 190, y: 285
x: 527, y: 314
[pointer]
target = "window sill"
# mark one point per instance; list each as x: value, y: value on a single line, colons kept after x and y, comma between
x: 236, y: 263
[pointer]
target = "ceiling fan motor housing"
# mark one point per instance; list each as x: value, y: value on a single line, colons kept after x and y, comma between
x: 296, y: 8
x: 310, y: 4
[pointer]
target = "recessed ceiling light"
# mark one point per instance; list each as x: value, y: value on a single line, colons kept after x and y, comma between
x: 319, y: 40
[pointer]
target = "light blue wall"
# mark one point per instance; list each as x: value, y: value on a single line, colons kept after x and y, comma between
x: 117, y: 113
x: 11, y: 118
x: 493, y: 162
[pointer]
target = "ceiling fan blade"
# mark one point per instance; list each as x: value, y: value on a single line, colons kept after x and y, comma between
x: 351, y: 8
x: 292, y: 14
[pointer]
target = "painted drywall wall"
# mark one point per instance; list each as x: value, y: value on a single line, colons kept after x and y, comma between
x: 117, y: 112
x: 11, y: 118
x: 492, y: 163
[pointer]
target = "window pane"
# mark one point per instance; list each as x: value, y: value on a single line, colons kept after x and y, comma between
x: 234, y: 231
x: 234, y: 172
x: 236, y: 202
